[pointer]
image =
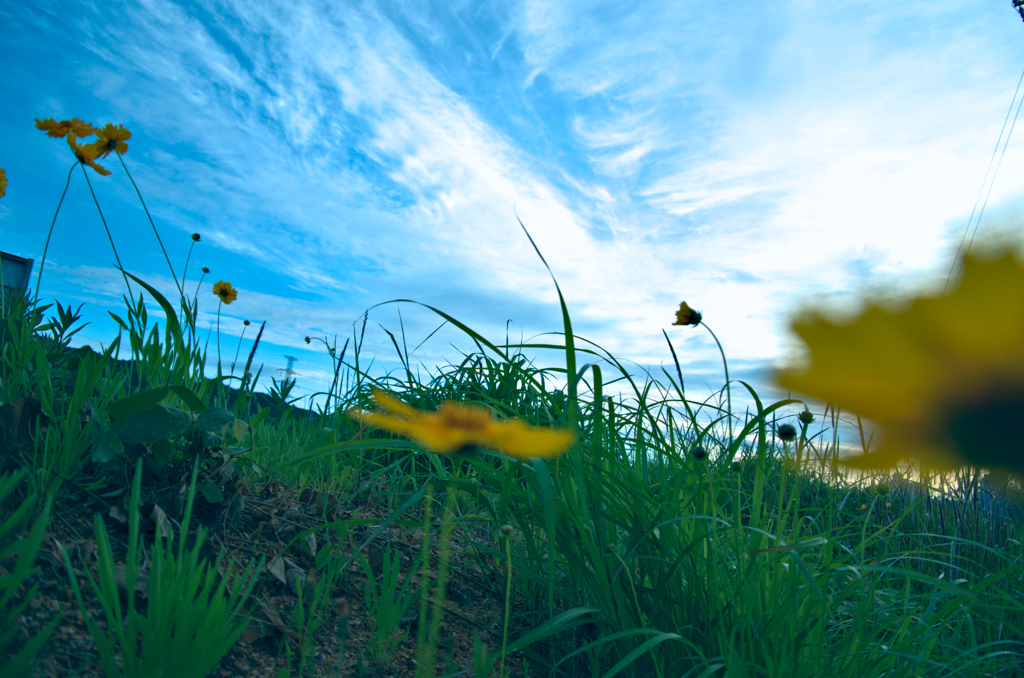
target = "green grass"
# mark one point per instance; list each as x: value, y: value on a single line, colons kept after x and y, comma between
x: 628, y: 556
x: 651, y: 562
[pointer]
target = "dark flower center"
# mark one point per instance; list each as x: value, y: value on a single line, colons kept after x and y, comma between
x: 987, y: 431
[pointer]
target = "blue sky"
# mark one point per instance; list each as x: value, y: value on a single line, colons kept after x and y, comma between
x: 750, y: 158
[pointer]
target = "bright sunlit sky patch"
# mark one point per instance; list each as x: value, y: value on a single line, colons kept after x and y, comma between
x: 746, y: 157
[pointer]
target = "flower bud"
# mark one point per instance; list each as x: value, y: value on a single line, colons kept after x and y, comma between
x: 787, y: 432
x: 687, y: 316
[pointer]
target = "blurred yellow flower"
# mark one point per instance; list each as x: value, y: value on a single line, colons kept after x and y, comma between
x: 225, y: 291
x: 943, y: 379
x: 111, y: 139
x: 86, y: 155
x: 3, y: 182
x: 687, y: 316
x: 57, y: 130
x: 454, y: 427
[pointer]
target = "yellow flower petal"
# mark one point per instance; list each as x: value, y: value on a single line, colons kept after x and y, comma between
x: 74, y: 126
x: 454, y: 427
x: 388, y: 402
x: 943, y: 379
x: 86, y: 155
x: 519, y: 440
x: 687, y: 316
x: 888, y: 377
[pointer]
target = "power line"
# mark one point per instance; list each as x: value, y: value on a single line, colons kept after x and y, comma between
x: 1019, y: 5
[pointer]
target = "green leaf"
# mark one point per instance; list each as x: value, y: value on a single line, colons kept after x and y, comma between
x: 144, y: 400
x: 104, y: 444
x: 212, y: 493
x: 120, y: 322
x: 189, y: 398
x: 214, y: 419
x: 162, y: 449
x: 259, y: 417
x: 152, y: 425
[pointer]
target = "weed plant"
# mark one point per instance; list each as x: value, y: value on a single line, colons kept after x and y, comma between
x: 660, y: 544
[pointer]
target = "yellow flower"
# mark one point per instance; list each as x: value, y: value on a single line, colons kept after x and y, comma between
x: 3, y: 182
x: 943, y: 379
x: 687, y: 316
x: 74, y: 126
x: 225, y: 291
x: 112, y: 138
x: 454, y: 427
x: 86, y: 155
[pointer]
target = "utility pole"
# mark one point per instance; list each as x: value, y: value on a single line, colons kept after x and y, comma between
x: 292, y: 359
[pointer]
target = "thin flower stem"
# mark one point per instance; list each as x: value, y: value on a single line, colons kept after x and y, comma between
x: 195, y: 297
x: 184, y: 299
x: 185, y: 272
x: 199, y: 284
x: 146, y: 210
x: 238, y: 349
x: 49, y: 233
x: 219, y: 304
x: 728, y: 389
x: 107, y: 229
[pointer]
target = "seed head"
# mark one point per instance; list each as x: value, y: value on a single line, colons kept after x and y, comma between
x: 787, y: 432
